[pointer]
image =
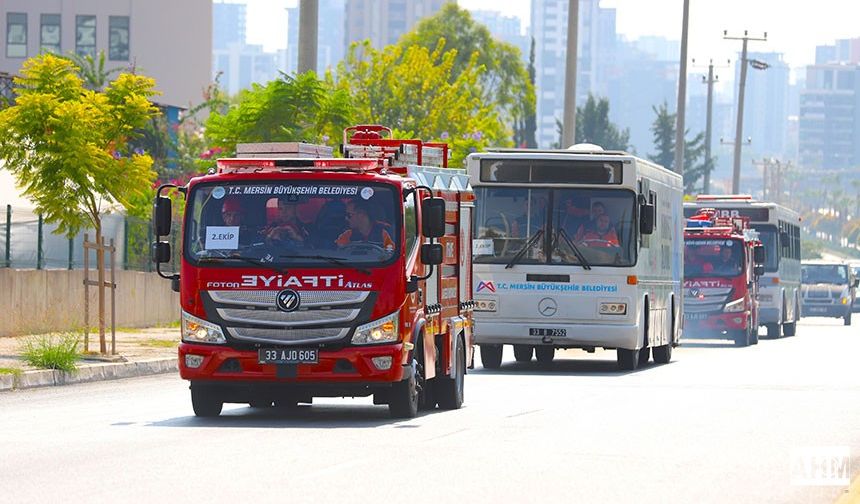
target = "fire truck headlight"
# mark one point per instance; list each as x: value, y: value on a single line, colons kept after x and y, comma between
x: 844, y: 300
x: 384, y: 330
x: 735, y: 306
x: 196, y: 330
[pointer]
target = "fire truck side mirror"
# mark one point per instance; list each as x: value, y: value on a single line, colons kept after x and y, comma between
x: 759, y: 255
x: 162, y: 215
x: 758, y: 270
x: 431, y: 254
x: 784, y: 239
x: 646, y: 219
x: 433, y: 217
x: 160, y: 252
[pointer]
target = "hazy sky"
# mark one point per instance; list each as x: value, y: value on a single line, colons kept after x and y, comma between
x: 793, y: 27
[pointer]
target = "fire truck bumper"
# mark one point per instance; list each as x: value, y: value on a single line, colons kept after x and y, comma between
x: 349, y: 371
x: 560, y: 335
x: 710, y: 325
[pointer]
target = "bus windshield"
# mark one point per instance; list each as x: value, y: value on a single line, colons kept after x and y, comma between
x: 284, y: 223
x: 708, y: 257
x: 770, y: 239
x: 549, y: 226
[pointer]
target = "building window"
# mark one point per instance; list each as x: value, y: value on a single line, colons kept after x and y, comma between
x: 50, y: 33
x: 85, y: 35
x: 118, y: 43
x: 16, y: 35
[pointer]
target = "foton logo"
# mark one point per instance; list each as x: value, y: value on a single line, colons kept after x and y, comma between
x: 486, y: 285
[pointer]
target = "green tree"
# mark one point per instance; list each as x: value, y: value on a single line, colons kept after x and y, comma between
x: 593, y: 126
x: 663, y: 130
x: 67, y: 146
x: 414, y: 90
x: 288, y: 109
x: 504, y: 81
x: 525, y: 132
x: 92, y: 70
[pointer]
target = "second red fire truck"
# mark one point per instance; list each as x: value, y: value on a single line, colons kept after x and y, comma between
x: 304, y: 275
x: 723, y: 260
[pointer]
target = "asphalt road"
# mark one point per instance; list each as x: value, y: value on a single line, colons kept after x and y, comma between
x: 718, y: 424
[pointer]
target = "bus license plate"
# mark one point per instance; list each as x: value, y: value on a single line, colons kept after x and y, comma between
x: 545, y: 331
x: 288, y: 356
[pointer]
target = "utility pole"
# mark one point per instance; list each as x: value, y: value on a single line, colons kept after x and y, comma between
x: 568, y: 128
x: 680, y: 128
x: 308, y: 27
x: 736, y: 168
x: 710, y: 80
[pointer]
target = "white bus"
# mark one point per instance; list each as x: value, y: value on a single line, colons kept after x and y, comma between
x: 779, y: 231
x: 578, y: 248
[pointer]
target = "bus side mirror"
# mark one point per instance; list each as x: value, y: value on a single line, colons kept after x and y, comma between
x: 431, y: 254
x: 646, y: 219
x: 161, y: 252
x: 784, y: 239
x: 856, y: 282
x: 759, y: 255
x: 162, y: 215
x: 433, y: 217
x: 758, y: 270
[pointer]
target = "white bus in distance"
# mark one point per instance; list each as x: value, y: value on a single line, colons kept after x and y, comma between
x: 779, y: 232
x: 577, y: 248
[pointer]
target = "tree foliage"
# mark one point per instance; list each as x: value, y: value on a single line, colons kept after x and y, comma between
x: 288, y: 109
x: 593, y: 126
x: 504, y: 81
x: 67, y: 146
x: 695, y: 164
x: 415, y: 91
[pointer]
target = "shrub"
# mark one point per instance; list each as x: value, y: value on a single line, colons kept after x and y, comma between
x: 52, y: 351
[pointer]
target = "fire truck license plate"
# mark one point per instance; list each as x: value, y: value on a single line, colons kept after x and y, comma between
x: 545, y: 331
x: 695, y: 316
x: 288, y: 356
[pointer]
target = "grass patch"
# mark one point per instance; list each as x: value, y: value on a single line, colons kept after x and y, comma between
x: 132, y: 330
x: 160, y: 343
x: 171, y: 325
x: 10, y: 370
x: 52, y: 351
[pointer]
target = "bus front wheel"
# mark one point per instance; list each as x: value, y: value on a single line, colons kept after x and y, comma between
x: 628, y: 360
x: 491, y: 356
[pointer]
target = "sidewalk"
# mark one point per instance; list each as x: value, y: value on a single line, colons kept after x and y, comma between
x: 142, y: 351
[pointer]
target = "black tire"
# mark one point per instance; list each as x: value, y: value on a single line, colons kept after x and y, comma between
x: 205, y: 401
x: 742, y: 337
x: 772, y: 330
x: 754, y: 335
x: 260, y: 403
x: 545, y: 354
x: 789, y: 328
x: 662, y: 354
x: 847, y: 318
x: 644, y: 356
x: 628, y: 360
x: 523, y: 353
x: 450, y: 390
x: 491, y: 356
x: 403, y: 399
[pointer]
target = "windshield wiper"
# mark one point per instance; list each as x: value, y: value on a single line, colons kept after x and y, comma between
x: 248, y: 260
x: 578, y: 253
x: 337, y: 261
x: 529, y: 244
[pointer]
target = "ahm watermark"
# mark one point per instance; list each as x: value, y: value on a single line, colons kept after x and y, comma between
x: 821, y: 466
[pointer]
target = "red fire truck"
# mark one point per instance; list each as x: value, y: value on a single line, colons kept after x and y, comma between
x: 723, y: 260
x: 303, y: 275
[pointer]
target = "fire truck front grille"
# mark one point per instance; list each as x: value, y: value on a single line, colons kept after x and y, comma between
x: 287, y: 335
x: 310, y: 299
x: 292, y: 319
x: 705, y: 300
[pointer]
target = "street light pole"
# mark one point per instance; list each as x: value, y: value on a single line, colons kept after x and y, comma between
x: 739, y: 127
x: 710, y: 80
x: 568, y: 128
x: 681, y: 110
x: 308, y: 27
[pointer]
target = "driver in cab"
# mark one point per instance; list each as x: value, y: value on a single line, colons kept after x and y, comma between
x: 363, y: 228
x: 601, y: 235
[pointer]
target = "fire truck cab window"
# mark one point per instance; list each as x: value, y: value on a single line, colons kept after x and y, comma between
x: 713, y: 257
x: 293, y: 223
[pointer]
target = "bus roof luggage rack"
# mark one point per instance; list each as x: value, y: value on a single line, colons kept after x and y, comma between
x: 283, y: 150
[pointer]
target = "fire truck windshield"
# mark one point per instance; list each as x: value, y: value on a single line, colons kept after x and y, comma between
x: 289, y: 223
x: 710, y: 257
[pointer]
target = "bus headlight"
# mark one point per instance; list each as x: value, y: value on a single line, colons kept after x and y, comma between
x: 487, y: 305
x: 735, y: 306
x: 383, y: 330
x: 613, y: 308
x: 197, y: 330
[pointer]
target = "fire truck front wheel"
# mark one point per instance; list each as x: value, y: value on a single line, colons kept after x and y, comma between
x: 742, y: 337
x: 450, y: 389
x: 403, y: 397
x: 206, y: 401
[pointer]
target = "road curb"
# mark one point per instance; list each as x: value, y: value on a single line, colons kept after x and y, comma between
x: 89, y: 373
